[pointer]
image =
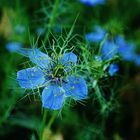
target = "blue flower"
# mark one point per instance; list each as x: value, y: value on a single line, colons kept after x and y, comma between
x: 113, y: 47
x: 92, y: 2
x: 96, y: 36
x: 58, y: 28
x: 109, y: 49
x: 126, y: 50
x: 40, y: 31
x: 20, y: 28
x: 113, y: 68
x: 137, y: 59
x: 13, y: 46
x: 54, y: 76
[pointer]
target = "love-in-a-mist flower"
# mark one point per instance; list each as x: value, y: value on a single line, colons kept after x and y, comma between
x: 92, y: 2
x: 97, y: 35
x: 20, y: 28
x: 40, y: 31
x: 113, y: 68
x: 137, y: 59
x: 13, y: 46
x: 54, y: 75
x: 125, y: 49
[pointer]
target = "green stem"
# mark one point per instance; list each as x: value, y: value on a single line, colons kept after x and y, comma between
x: 51, y: 120
x: 43, y: 123
x: 99, y: 96
x: 49, y: 123
x: 102, y: 101
x: 52, y: 20
x: 102, y: 43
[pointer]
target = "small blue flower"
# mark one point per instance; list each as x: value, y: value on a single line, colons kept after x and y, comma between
x: 58, y: 28
x: 109, y: 49
x: 137, y: 59
x: 92, y: 2
x: 54, y: 76
x: 96, y: 36
x: 20, y: 28
x: 126, y: 50
x: 40, y: 31
x: 113, y: 68
x: 13, y: 46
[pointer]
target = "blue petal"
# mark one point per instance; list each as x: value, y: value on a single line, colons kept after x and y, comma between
x: 126, y: 50
x: 92, y: 2
x: 113, y: 68
x: 36, y: 56
x: 121, y: 43
x: 53, y: 97
x: 129, y: 53
x: 96, y: 36
x: 13, y: 46
x: 30, y: 78
x: 137, y: 59
x: 76, y: 88
x: 68, y: 58
x: 109, y: 50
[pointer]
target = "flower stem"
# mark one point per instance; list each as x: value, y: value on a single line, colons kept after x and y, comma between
x: 52, y: 20
x: 102, y: 43
x: 51, y: 120
x: 99, y: 96
x: 43, y: 123
x: 49, y: 123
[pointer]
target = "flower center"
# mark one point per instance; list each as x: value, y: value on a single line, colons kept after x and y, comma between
x: 59, y: 71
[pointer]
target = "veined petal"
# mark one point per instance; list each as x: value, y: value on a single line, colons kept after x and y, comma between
x: 53, y: 97
x: 36, y: 56
x: 30, y: 78
x: 76, y: 88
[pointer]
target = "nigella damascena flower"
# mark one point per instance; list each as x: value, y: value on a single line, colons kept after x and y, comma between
x: 137, y: 59
x: 40, y: 31
x: 96, y: 36
x: 54, y: 76
x: 126, y: 50
x: 113, y: 68
x: 13, y: 46
x: 92, y: 2
x: 20, y: 29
